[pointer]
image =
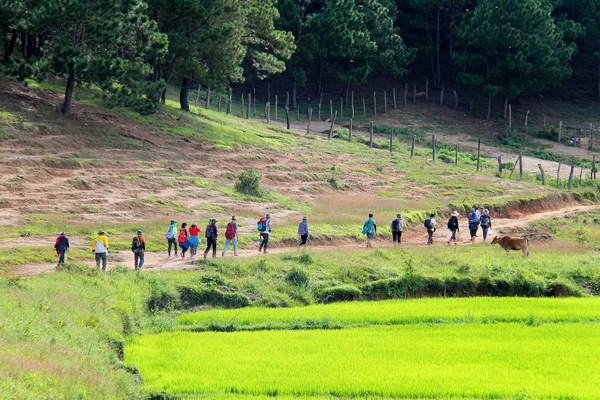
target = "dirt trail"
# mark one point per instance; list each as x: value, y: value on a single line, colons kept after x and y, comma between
x: 414, y: 237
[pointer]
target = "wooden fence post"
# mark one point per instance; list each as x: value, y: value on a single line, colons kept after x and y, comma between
x: 500, y: 164
x: 248, y: 106
x: 412, y: 148
x: 478, y: 153
x: 570, y: 175
x: 331, y: 127
x: 275, y: 107
x: 229, y: 101
x: 521, y: 165
x: 593, y: 174
x: 374, y: 103
x: 309, y: 120
x: 350, y: 133
x: 287, y: 117
x: 543, y: 176
x: 591, y: 143
x: 242, y: 107
x: 391, y: 140
x: 558, y: 174
x: 526, y: 121
x: 207, y: 106
x: 371, y: 134
x: 456, y: 156
x: 559, y: 130
x: 433, y: 146
x: 268, y: 111
x: 352, y: 104
x: 198, y: 95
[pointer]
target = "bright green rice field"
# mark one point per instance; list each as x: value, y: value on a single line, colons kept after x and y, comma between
x: 467, y: 348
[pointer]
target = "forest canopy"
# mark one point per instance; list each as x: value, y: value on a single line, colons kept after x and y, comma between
x: 133, y: 49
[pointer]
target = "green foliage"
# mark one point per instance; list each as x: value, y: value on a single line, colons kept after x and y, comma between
x: 500, y: 51
x: 332, y: 294
x: 199, y: 296
x: 297, y: 277
x: 248, y: 182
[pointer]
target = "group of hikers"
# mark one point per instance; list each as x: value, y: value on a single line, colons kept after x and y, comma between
x: 181, y: 239
x: 478, y: 217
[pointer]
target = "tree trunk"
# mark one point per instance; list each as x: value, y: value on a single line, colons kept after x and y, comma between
x: 183, y: 95
x: 66, y: 108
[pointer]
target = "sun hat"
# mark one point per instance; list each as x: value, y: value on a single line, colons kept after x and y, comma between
x: 304, y: 218
x: 139, y: 232
x: 61, y: 233
x: 233, y: 218
x: 486, y: 211
x: 213, y: 220
x: 268, y: 215
x: 173, y: 222
x: 100, y: 232
x: 398, y: 215
x: 455, y: 213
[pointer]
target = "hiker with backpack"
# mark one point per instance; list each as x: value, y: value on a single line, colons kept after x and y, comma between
x: 264, y: 227
x: 485, y: 222
x: 370, y: 229
x: 183, y: 239
x: 397, y: 227
x: 211, y: 234
x: 172, y: 237
x: 138, y: 246
x: 194, y: 241
x: 100, y: 249
x: 453, y: 226
x: 431, y: 225
x: 473, y: 224
x: 231, y: 236
x: 303, y: 231
x: 61, y: 245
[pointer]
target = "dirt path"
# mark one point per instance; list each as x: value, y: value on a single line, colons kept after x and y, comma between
x: 159, y: 261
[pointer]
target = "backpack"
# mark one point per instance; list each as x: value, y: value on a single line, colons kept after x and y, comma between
x: 230, y: 231
x: 473, y: 223
x: 485, y: 221
x: 427, y: 223
x: 395, y: 225
x: 136, y: 244
x: 211, y: 232
x: 261, y: 225
x: 453, y: 223
x: 170, y: 234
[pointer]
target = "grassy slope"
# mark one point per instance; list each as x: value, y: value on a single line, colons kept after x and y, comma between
x: 61, y: 333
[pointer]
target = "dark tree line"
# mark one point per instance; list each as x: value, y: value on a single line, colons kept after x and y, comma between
x: 132, y: 49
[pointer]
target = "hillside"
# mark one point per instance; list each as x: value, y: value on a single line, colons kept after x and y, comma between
x: 120, y: 171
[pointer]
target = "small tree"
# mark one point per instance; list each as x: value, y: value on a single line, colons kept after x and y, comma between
x: 248, y: 182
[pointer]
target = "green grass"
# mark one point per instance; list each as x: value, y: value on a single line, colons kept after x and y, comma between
x: 431, y: 357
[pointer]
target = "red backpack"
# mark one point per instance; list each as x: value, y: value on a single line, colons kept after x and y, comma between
x: 230, y: 231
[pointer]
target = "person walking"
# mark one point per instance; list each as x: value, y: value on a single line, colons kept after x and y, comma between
x: 485, y: 222
x: 138, y: 246
x: 473, y: 224
x: 193, y: 239
x: 370, y: 229
x: 453, y: 226
x: 61, y: 245
x: 303, y: 231
x: 172, y: 237
x: 397, y: 227
x: 231, y: 236
x: 211, y: 233
x: 183, y: 239
x: 100, y: 249
x: 264, y: 234
x: 431, y: 225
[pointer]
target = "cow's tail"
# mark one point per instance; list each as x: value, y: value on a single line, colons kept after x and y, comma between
x: 526, y: 247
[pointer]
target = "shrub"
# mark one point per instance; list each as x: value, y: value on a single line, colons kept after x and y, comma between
x: 163, y: 297
x: 248, y: 182
x: 194, y: 297
x: 338, y: 293
x: 297, y: 277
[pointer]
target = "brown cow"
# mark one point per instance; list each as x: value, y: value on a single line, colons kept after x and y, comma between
x: 513, y: 243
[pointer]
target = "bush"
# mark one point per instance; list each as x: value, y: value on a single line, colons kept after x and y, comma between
x: 297, y: 277
x: 338, y: 293
x: 248, y: 182
x: 162, y: 297
x: 194, y: 297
